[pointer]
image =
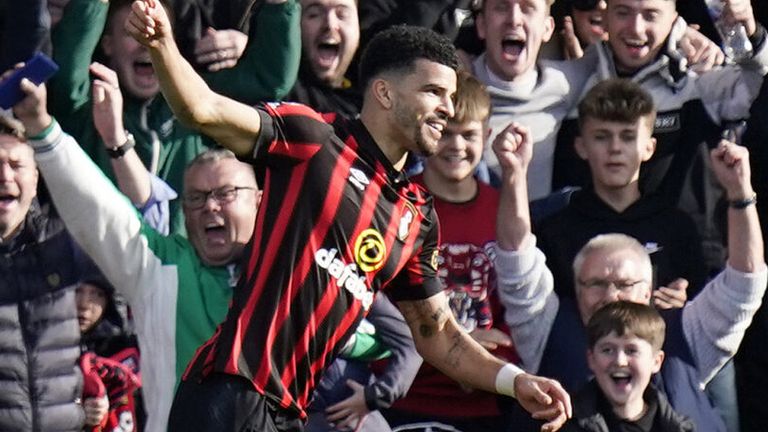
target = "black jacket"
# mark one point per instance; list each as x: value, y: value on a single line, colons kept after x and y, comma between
x: 671, y: 235
x: 587, y: 415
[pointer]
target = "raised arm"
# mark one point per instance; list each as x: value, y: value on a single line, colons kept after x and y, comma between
x: 730, y: 162
x: 524, y: 281
x: 715, y: 321
x: 514, y: 150
x: 231, y: 123
x: 132, y: 176
x: 445, y: 345
x: 75, y: 40
x: 97, y: 216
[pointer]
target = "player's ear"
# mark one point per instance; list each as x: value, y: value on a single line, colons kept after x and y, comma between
x: 382, y: 91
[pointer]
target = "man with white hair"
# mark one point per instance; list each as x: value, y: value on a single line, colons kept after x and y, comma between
x: 549, y: 331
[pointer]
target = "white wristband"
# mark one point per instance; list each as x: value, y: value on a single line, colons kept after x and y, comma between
x: 505, y: 379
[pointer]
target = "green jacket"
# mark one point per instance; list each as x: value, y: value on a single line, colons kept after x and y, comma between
x: 266, y: 71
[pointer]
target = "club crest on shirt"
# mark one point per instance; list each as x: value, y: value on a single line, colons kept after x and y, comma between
x: 370, y: 250
x: 406, y: 219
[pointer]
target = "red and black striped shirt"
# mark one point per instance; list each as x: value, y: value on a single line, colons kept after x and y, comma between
x: 336, y: 224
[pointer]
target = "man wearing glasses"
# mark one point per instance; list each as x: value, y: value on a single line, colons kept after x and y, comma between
x: 549, y: 331
x: 179, y: 290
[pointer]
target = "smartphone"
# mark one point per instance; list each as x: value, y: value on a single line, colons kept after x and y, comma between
x: 37, y: 69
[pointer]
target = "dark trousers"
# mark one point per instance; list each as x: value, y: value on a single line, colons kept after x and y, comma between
x: 223, y: 402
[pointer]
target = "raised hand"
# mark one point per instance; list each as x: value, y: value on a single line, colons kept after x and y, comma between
x: 107, y: 106
x: 571, y: 45
x: 514, y: 150
x: 31, y: 111
x: 148, y: 23
x: 545, y: 399
x: 730, y: 163
x: 220, y: 49
x: 701, y: 53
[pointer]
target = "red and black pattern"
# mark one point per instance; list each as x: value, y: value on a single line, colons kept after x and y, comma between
x: 337, y: 223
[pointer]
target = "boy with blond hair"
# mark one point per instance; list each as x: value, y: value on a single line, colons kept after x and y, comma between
x: 434, y: 400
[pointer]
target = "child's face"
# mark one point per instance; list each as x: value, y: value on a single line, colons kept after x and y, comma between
x: 91, y: 302
x: 638, y: 29
x: 458, y: 151
x: 614, y: 150
x: 623, y: 367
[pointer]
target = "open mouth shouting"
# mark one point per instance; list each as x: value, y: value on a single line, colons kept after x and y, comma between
x: 216, y: 232
x: 621, y: 379
x: 144, y: 72
x: 512, y: 47
x: 8, y: 201
x: 328, y: 51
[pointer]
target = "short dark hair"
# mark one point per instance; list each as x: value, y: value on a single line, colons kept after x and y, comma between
x: 398, y: 48
x: 471, y: 100
x: 619, y: 100
x: 627, y: 318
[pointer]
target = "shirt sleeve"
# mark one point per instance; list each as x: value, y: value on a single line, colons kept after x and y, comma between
x: 290, y: 131
x: 156, y: 211
x: 418, y: 280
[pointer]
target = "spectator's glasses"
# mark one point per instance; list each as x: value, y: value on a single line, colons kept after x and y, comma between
x: 584, y: 5
x: 222, y: 195
x: 602, y: 285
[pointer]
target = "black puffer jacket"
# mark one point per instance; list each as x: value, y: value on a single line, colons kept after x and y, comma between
x: 40, y: 383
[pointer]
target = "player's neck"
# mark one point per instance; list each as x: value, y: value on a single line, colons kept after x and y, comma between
x: 382, y: 135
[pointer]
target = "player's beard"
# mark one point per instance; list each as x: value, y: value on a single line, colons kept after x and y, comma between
x: 416, y: 130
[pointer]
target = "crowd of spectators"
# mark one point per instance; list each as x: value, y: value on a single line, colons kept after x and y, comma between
x: 595, y: 155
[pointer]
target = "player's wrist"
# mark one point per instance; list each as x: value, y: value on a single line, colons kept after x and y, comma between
x: 505, y: 379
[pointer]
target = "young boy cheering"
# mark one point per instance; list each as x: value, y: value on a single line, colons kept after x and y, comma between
x: 625, y: 351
